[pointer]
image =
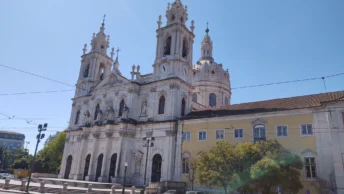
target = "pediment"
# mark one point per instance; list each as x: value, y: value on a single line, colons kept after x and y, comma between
x: 259, y: 122
x: 111, y: 80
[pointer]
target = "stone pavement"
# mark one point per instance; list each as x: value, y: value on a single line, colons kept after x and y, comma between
x: 51, y: 187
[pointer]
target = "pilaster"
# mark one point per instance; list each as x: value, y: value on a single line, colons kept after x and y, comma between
x: 105, y: 166
x: 91, y: 175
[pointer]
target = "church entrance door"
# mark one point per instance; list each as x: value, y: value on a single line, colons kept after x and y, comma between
x: 99, y: 166
x: 156, y: 168
x: 68, y: 167
x: 112, y: 167
x: 87, y: 166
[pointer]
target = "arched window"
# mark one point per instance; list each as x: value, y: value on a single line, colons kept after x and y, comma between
x: 212, y: 100
x: 96, y: 111
x: 167, y: 47
x: 185, y: 48
x: 121, y: 108
x: 259, y: 133
x: 183, y: 107
x: 194, y: 97
x: 185, y: 163
x: 86, y: 70
x: 77, y: 116
x: 101, y: 73
x: 161, y: 105
x: 226, y: 101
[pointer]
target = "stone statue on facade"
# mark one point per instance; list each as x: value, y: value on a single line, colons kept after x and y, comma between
x: 144, y: 108
x: 110, y: 112
x: 99, y: 115
x: 125, y: 112
x: 87, y: 117
x: 138, y: 155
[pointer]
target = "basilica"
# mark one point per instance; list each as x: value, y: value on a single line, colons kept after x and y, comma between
x: 120, y: 123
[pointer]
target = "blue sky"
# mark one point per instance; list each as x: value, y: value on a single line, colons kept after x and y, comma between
x: 258, y: 41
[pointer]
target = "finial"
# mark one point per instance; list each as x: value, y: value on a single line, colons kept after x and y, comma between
x: 192, y: 26
x: 85, y: 48
x: 133, y: 67
x: 186, y: 8
x: 103, y: 24
x: 112, y: 52
x: 159, y: 22
x: 117, y: 51
x: 138, y: 69
x: 207, y: 30
x: 94, y: 34
x: 108, y: 38
x: 168, y: 6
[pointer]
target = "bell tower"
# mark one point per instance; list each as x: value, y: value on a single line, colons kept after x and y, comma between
x: 174, y: 44
x: 96, y: 64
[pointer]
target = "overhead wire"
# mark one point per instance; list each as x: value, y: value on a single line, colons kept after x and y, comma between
x: 233, y: 88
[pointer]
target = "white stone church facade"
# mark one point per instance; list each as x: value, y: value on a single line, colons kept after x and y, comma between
x: 112, y: 116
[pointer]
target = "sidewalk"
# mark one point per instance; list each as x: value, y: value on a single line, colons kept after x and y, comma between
x: 58, y: 187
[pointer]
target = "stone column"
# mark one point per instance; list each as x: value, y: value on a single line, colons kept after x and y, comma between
x: 89, y: 188
x: 64, y: 189
x: 23, y: 185
x: 133, y: 188
x: 103, y: 177
x: 81, y: 156
x: 177, y: 164
x: 94, y: 157
x: 41, y: 188
x: 173, y: 42
x: 7, y: 184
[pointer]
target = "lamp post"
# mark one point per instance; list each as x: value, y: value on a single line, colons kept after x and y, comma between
x: 125, y: 175
x: 38, y: 137
x: 149, y: 143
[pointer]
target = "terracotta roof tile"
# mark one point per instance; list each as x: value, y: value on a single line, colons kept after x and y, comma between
x: 297, y: 102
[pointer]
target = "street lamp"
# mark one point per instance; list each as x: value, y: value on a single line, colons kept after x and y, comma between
x: 149, y: 143
x: 125, y: 174
x: 38, y: 137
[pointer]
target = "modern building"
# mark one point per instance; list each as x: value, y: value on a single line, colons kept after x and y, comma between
x: 113, y: 116
x: 310, y: 126
x: 11, y: 140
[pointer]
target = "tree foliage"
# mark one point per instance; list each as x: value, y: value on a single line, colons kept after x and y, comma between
x: 192, y: 171
x: 6, y: 158
x: 250, y: 167
x: 22, y: 159
x: 49, y: 158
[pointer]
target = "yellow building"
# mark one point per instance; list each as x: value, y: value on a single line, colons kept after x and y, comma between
x: 289, y: 120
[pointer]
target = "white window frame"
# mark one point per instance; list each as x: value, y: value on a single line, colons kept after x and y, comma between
x: 305, y: 170
x: 306, y: 135
x: 238, y: 137
x: 266, y: 131
x: 206, y: 135
x: 189, y: 136
x: 223, y: 134
x: 282, y: 135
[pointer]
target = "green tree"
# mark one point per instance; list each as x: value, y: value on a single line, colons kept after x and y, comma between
x: 216, y: 167
x: 22, y: 159
x: 250, y: 167
x: 49, y: 158
x: 6, y: 158
x: 192, y: 171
